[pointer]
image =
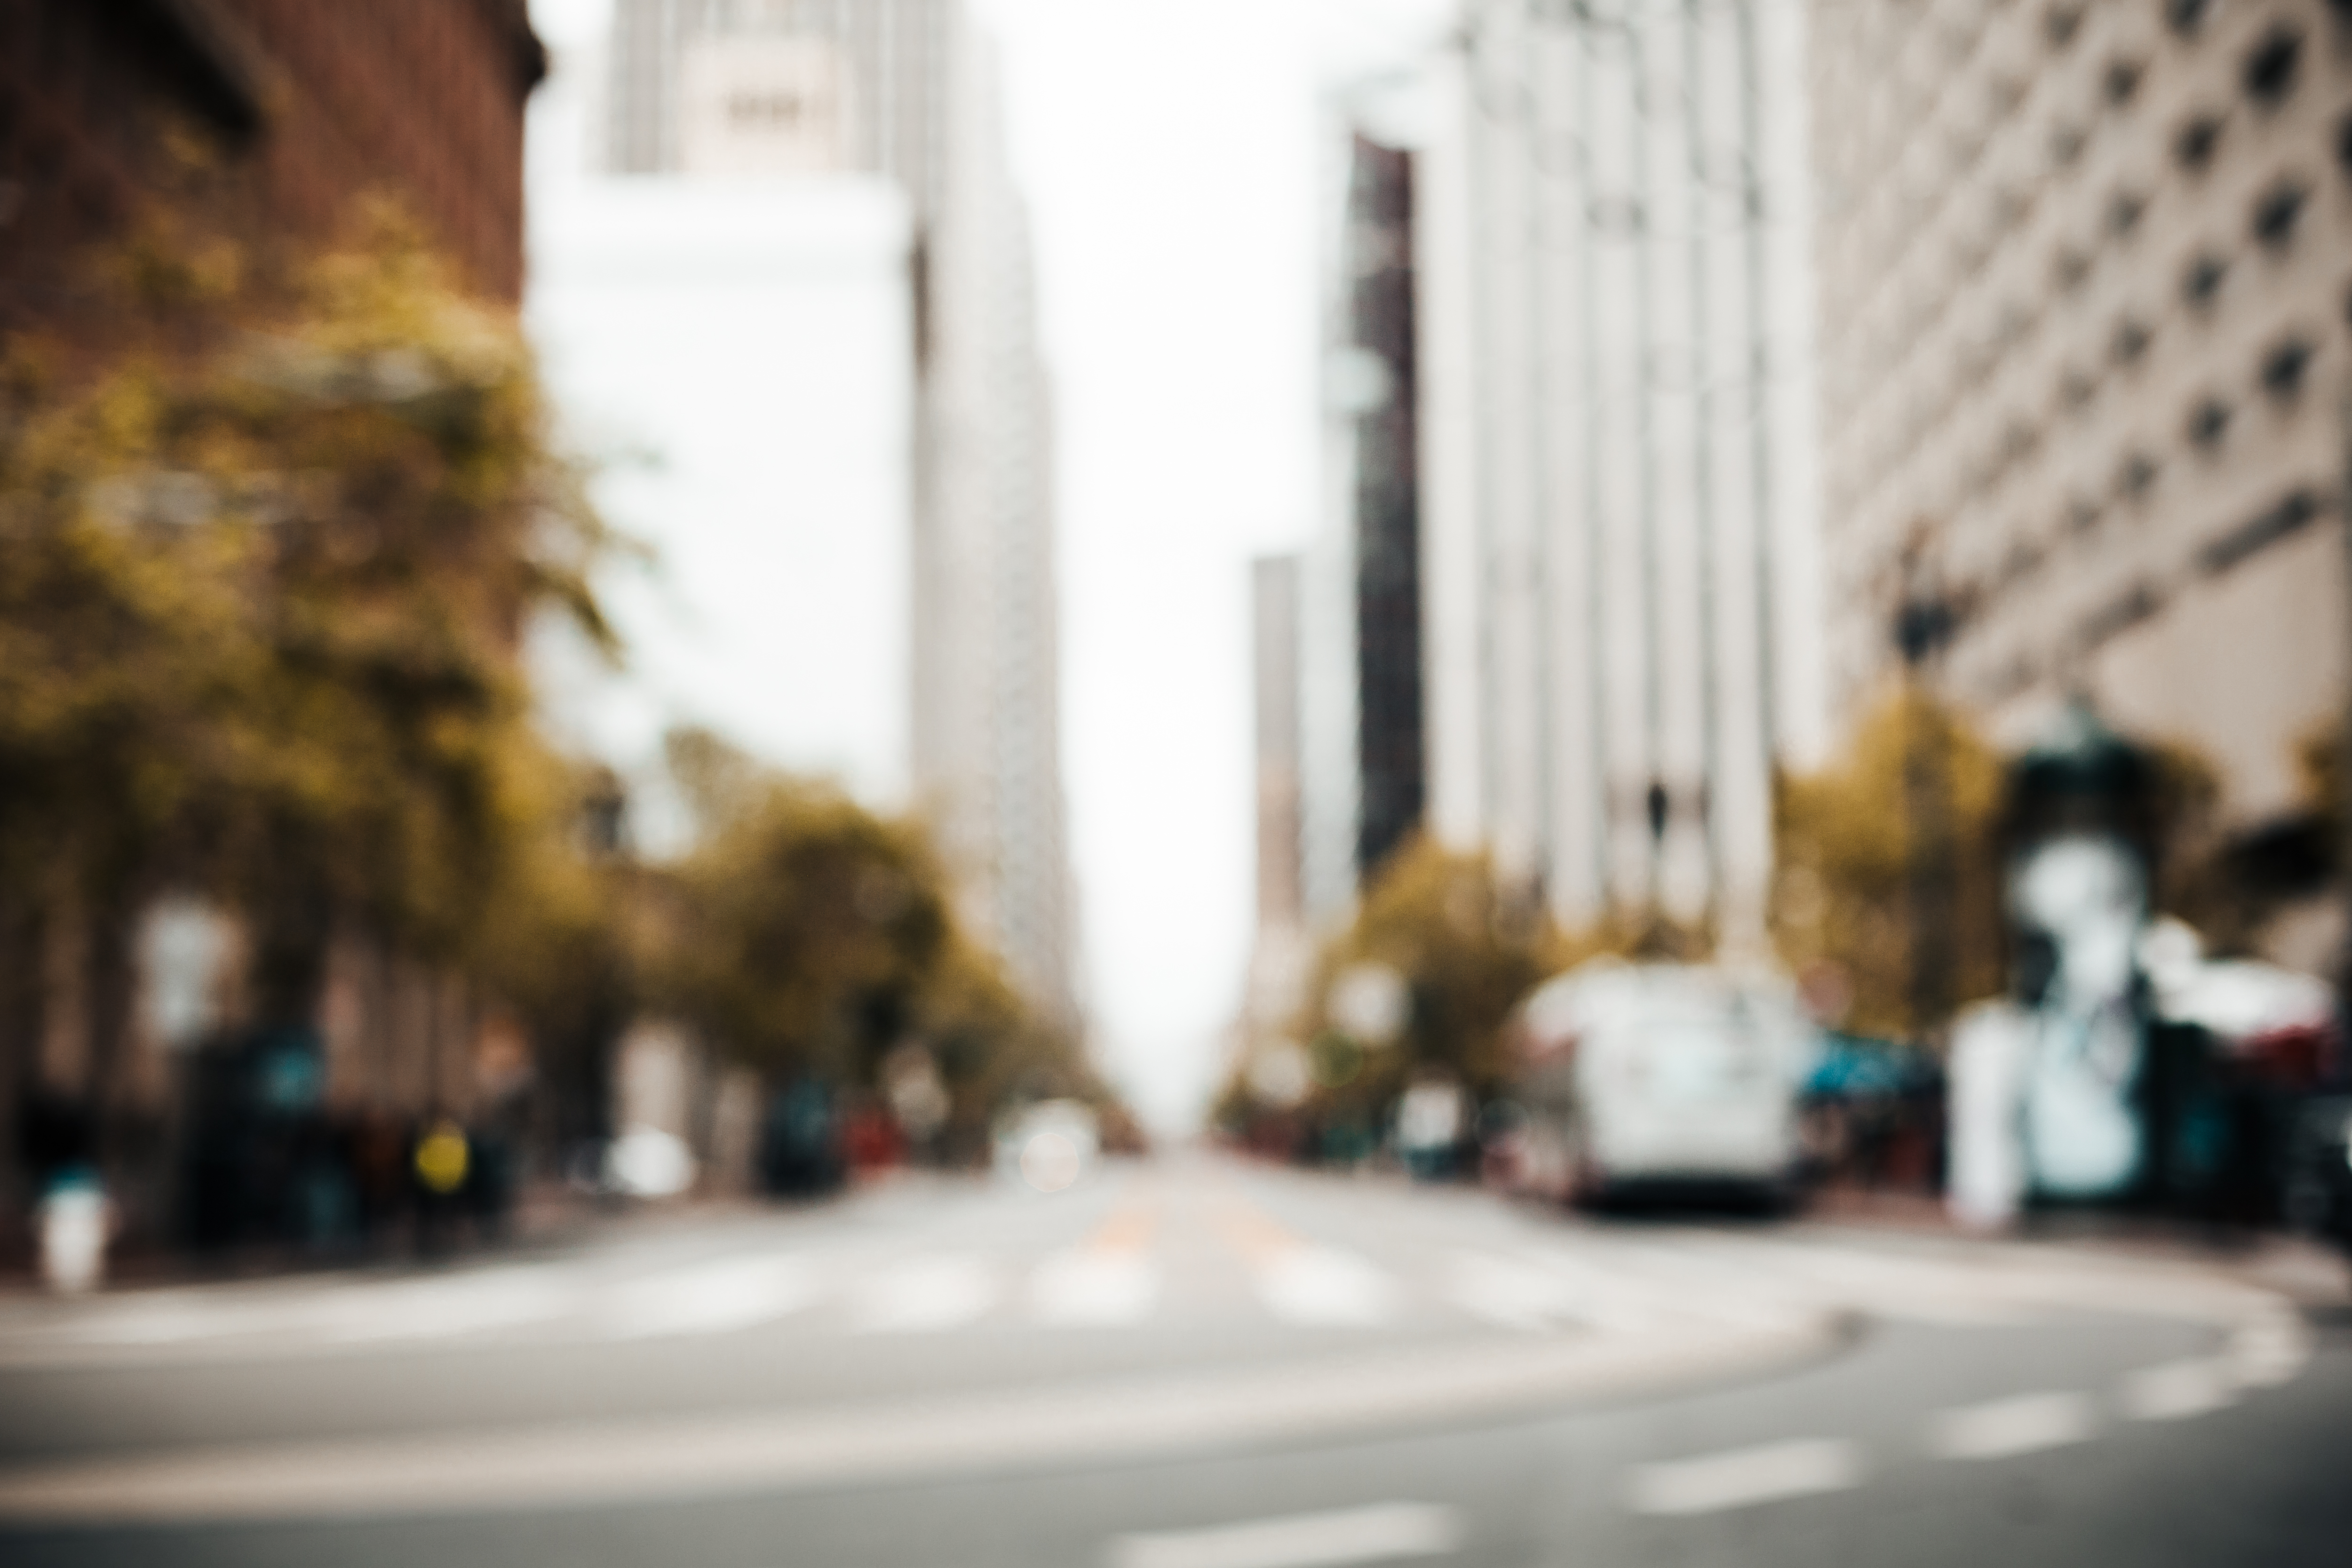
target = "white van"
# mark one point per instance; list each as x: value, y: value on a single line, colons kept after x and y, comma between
x: 1657, y: 1075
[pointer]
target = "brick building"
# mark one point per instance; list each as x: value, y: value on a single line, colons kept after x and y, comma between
x: 272, y: 115
x: 300, y: 106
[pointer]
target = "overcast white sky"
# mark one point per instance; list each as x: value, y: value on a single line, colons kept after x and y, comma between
x: 1167, y: 149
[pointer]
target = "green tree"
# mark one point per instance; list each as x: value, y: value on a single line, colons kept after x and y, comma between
x: 806, y: 935
x: 1467, y: 946
x: 1848, y: 838
x: 267, y: 549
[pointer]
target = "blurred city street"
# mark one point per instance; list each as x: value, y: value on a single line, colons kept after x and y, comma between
x: 1203, y: 1363
x: 1241, y: 783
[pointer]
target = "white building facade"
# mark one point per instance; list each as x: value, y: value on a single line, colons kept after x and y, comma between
x: 908, y: 88
x: 1616, y: 441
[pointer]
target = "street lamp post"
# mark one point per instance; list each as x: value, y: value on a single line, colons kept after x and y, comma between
x: 2344, y: 781
x: 1923, y: 624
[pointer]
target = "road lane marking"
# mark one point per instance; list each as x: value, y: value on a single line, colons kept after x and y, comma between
x: 923, y: 1294
x: 2269, y: 1349
x: 2178, y: 1389
x: 1745, y: 1477
x: 1088, y: 1288
x: 1323, y: 1288
x: 443, y: 1309
x: 1301, y: 1283
x: 1127, y: 1229
x: 2022, y: 1423
x: 1382, y: 1533
x: 1506, y: 1291
x: 718, y: 1296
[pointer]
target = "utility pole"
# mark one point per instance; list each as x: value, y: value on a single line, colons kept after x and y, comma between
x: 2343, y: 778
x: 1923, y: 626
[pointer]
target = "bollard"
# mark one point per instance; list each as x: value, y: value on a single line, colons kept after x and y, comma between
x: 74, y: 1222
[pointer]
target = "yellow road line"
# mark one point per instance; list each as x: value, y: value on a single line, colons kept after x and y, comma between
x: 1128, y: 1229
x: 1257, y: 1235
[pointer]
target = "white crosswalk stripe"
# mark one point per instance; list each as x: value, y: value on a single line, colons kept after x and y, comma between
x: 1510, y: 1291
x: 1101, y: 1288
x: 1323, y: 1287
x: 923, y: 1294
x: 730, y: 1294
x: 1531, y: 1279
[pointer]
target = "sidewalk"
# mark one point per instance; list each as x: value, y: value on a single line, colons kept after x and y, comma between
x: 2311, y: 1273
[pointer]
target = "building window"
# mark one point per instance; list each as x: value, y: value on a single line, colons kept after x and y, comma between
x: 2286, y: 517
x: 2208, y: 422
x: 2017, y: 441
x: 2122, y: 81
x: 2344, y: 144
x: 2136, y: 477
x: 2202, y: 281
x: 2075, y: 389
x: 2063, y: 21
x: 2270, y: 68
x: 2194, y: 145
x: 2071, y: 269
x: 2187, y: 17
x: 2276, y: 212
x: 2130, y: 340
x: 2065, y: 143
x: 2283, y: 367
x: 2123, y: 211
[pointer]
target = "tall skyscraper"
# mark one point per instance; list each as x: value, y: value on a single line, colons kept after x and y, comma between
x: 908, y: 90
x: 1611, y: 251
x: 2081, y: 378
x: 1279, y: 949
x: 1363, y: 764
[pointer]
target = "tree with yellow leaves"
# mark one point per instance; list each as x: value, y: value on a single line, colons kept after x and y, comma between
x: 1851, y: 842
x: 266, y: 547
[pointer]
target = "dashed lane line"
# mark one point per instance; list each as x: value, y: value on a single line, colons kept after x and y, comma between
x: 2021, y: 1424
x: 1383, y: 1532
x: 2177, y: 1390
x: 1745, y: 1477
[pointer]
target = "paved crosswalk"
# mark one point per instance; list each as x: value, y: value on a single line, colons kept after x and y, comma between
x: 1588, y: 1282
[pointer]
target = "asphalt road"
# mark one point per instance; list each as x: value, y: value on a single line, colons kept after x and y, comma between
x: 1191, y: 1366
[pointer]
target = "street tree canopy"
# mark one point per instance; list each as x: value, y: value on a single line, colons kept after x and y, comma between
x: 805, y: 935
x: 266, y: 554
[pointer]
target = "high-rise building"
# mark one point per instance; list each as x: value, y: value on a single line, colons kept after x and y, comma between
x: 908, y: 90
x: 1362, y: 767
x: 2085, y: 273
x: 1612, y: 251
x: 1279, y: 948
